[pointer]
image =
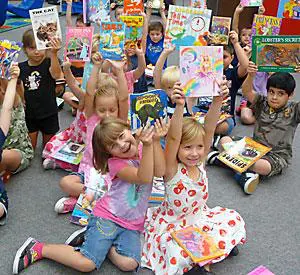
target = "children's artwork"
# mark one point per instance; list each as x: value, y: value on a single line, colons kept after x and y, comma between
x: 199, y: 245
x: 220, y: 28
x: 9, y: 52
x: 276, y: 53
x: 251, y: 3
x: 266, y: 25
x: 289, y: 9
x: 133, y: 30
x: 112, y: 39
x: 261, y: 270
x: 147, y: 107
x: 200, y: 69
x: 133, y: 6
x: 240, y: 155
x: 78, y: 43
x: 96, y: 10
x: 45, y: 25
x: 186, y: 26
x: 198, y: 4
x: 200, y: 116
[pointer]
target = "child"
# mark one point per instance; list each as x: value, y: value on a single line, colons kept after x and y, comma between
x: 188, y: 143
x: 118, y: 217
x: 276, y: 123
x: 118, y: 11
x: 38, y: 75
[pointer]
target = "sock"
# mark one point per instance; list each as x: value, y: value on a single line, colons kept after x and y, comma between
x: 38, y: 248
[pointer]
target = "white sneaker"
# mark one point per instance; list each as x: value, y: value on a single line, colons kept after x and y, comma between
x: 49, y: 164
x: 65, y: 205
x: 76, y: 238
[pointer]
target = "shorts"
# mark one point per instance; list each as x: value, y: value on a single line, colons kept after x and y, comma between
x: 78, y: 174
x: 3, y: 202
x: 48, y: 125
x: 278, y: 163
x: 102, y: 234
x: 25, y: 161
x: 231, y: 124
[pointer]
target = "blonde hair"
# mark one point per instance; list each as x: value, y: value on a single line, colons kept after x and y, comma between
x: 191, y: 130
x: 170, y: 76
x: 95, y: 42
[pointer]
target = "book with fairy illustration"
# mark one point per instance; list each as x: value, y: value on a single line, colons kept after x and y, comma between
x: 96, y: 10
x: 112, y: 40
x: 276, y: 53
x: 45, y: 25
x: 147, y: 107
x: 133, y: 7
x: 241, y: 154
x: 198, y: 4
x: 186, y: 26
x: 199, y: 245
x: 200, y: 70
x: 251, y: 3
x: 289, y: 9
x: 200, y: 116
x: 9, y: 53
x: 220, y: 28
x: 78, y: 43
x: 133, y: 30
x: 266, y: 25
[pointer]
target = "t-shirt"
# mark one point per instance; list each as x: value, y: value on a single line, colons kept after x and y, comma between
x: 260, y: 83
x: 140, y: 86
x: 40, y: 97
x: 276, y: 128
x: 130, y: 81
x: 153, y: 51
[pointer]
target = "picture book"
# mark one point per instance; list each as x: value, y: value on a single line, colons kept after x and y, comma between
x: 251, y: 3
x: 45, y: 25
x: 200, y: 69
x: 198, y: 4
x: 158, y: 191
x: 289, y: 9
x: 147, y: 107
x: 261, y: 270
x: 133, y: 7
x: 9, y: 52
x: 276, y: 53
x: 266, y: 25
x: 112, y: 40
x: 220, y: 28
x: 78, y: 43
x: 240, y: 155
x: 200, y: 116
x: 133, y: 30
x: 186, y: 26
x: 96, y: 10
x: 199, y: 245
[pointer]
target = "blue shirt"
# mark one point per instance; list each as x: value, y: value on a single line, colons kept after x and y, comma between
x: 153, y: 51
x: 140, y: 86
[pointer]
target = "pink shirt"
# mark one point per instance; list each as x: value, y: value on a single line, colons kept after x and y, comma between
x: 130, y: 81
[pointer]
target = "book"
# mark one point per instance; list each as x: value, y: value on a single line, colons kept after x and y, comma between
x: 112, y: 40
x: 133, y: 30
x: 96, y: 10
x: 220, y: 28
x: 276, y: 53
x: 158, y: 191
x: 200, y: 69
x: 78, y: 43
x: 251, y: 3
x: 133, y: 7
x: 147, y: 107
x: 266, y: 25
x: 198, y: 4
x: 289, y: 9
x: 200, y: 116
x: 199, y: 245
x: 186, y: 26
x: 261, y: 270
x: 9, y: 53
x: 45, y: 24
x: 240, y: 155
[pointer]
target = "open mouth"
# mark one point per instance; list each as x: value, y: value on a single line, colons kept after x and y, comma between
x: 127, y: 149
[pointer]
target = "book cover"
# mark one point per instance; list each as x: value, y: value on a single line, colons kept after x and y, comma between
x: 276, y: 53
x: 261, y: 270
x: 240, y: 155
x: 186, y: 26
x: 200, y: 116
x: 251, y: 3
x: 133, y: 6
x: 289, y: 9
x: 198, y: 4
x: 9, y: 52
x: 45, y: 24
x: 112, y: 40
x: 220, y: 28
x: 133, y: 30
x: 147, y: 107
x: 158, y: 191
x: 96, y: 10
x: 266, y: 25
x: 200, y: 69
x: 197, y: 244
x: 78, y: 43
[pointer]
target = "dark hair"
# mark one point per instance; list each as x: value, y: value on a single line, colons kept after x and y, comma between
x: 228, y: 48
x: 81, y: 20
x: 156, y: 26
x: 246, y: 27
x: 283, y: 81
x: 28, y: 39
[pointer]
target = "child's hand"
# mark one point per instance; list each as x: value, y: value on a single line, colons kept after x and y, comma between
x: 261, y: 9
x: 252, y: 69
x: 178, y: 95
x: 149, y: 7
x: 55, y: 44
x: 161, y: 128
x: 224, y: 90
x: 239, y: 8
x: 69, y: 2
x: 146, y: 135
x: 138, y: 51
x: 97, y: 59
x: 234, y: 38
x: 248, y: 51
x: 170, y: 49
x: 297, y: 69
x: 118, y: 65
x: 14, y: 71
x: 162, y: 8
x: 112, y: 6
x: 66, y: 65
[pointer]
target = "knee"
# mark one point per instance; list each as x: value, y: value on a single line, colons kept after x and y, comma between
x: 247, y: 120
x: 64, y: 182
x: 225, y: 139
x: 86, y: 265
x: 128, y: 264
x: 222, y: 128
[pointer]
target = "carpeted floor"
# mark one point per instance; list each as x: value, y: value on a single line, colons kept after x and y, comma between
x: 14, y: 23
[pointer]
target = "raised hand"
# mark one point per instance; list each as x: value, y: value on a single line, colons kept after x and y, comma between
x: 261, y: 9
x: 234, y: 38
x: 161, y: 128
x: 97, y: 59
x: 146, y: 134
x: 67, y: 64
x: 224, y: 89
x: 170, y: 49
x: 239, y: 8
x: 252, y: 69
x: 177, y: 96
x: 55, y: 43
x: 14, y: 70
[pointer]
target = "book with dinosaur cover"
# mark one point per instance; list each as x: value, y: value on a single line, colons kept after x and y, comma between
x: 276, y: 53
x: 289, y: 9
x: 251, y: 3
x: 45, y: 25
x: 186, y: 26
x: 133, y: 30
x: 200, y: 69
x: 198, y: 4
x: 266, y: 25
x: 96, y: 10
x: 199, y: 245
x: 220, y: 28
x: 133, y: 7
x: 147, y: 107
x: 112, y: 40
x: 241, y: 154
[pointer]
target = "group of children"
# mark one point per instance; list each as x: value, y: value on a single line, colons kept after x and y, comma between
x: 130, y: 162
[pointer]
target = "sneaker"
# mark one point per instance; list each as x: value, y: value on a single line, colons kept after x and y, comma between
x: 77, y: 238
x: 26, y: 255
x: 65, y: 205
x: 212, y: 156
x: 216, y: 141
x: 49, y: 164
x: 248, y: 181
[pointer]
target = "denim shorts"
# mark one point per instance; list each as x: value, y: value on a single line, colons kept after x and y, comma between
x: 231, y: 124
x: 78, y: 174
x: 102, y: 234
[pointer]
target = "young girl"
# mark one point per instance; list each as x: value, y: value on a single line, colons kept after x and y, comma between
x: 118, y: 217
x: 188, y: 143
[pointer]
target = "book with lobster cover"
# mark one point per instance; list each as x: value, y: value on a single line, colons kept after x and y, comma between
x: 147, y: 107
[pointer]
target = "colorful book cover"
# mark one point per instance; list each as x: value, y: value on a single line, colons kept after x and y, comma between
x: 45, y: 24
x: 261, y: 270
x: 220, y: 28
x: 240, y: 155
x: 112, y: 40
x: 200, y: 116
x: 186, y: 26
x: 78, y: 43
x: 96, y: 10
x: 133, y: 6
x: 133, y: 30
x: 158, y: 191
x: 147, y: 107
x: 276, y: 53
x: 289, y: 9
x: 197, y: 244
x: 266, y: 25
x: 251, y: 3
x: 198, y: 4
x: 9, y: 52
x: 200, y: 69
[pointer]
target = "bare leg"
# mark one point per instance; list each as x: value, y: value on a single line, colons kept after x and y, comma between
x: 224, y: 140
x: 122, y: 262
x: 261, y: 167
x: 247, y: 116
x: 222, y: 128
x: 72, y: 185
x: 46, y: 138
x: 11, y: 160
x: 67, y: 98
x: 1, y: 211
x: 33, y: 136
